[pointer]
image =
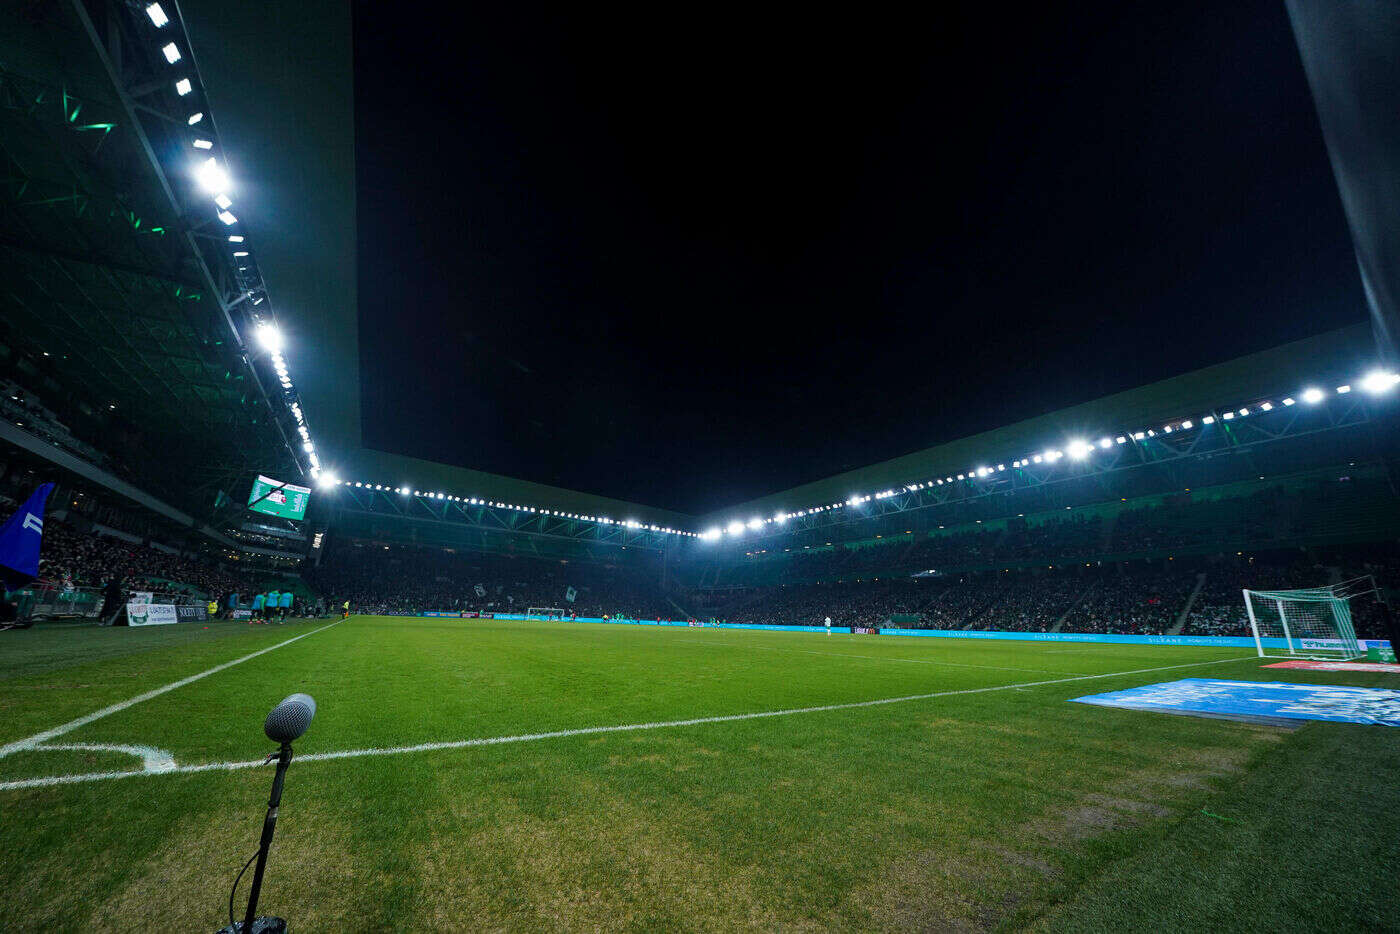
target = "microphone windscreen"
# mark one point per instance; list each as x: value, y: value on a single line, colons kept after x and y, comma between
x: 289, y: 719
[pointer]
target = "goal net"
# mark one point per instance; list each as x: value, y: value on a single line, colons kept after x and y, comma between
x: 547, y: 612
x: 1312, y: 623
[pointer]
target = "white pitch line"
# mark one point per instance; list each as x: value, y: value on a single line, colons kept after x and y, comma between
x: 585, y: 731
x: 23, y: 744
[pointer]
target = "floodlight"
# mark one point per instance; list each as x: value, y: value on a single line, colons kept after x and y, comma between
x: 223, y: 201
x: 1079, y: 449
x: 1227, y: 415
x: 212, y: 178
x: 235, y: 238
x: 1244, y: 411
x: 270, y: 337
x: 183, y: 87
x: 172, y: 53
x: 1343, y: 390
x: 240, y: 252
x: 157, y: 15
x: 1121, y: 439
x: 1379, y: 381
x: 755, y: 523
x: 230, y: 220
x: 1105, y: 443
x: 1208, y: 420
x: 203, y: 144
x: 1288, y: 401
x: 780, y: 518
x: 1187, y: 423
x: 1312, y: 395
x: 736, y: 527
x: 328, y: 479
x: 1138, y: 435
x: 195, y: 118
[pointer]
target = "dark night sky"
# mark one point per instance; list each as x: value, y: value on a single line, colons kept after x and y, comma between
x: 687, y: 262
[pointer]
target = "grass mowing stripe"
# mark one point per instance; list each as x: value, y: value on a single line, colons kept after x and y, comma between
x: 585, y: 731
x: 70, y: 726
x: 877, y: 658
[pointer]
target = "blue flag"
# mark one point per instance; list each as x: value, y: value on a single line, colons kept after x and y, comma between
x: 20, y: 538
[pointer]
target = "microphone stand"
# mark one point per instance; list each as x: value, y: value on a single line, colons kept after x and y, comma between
x: 268, y: 925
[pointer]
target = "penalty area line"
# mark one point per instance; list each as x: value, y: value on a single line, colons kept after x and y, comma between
x: 20, y: 745
x: 588, y: 730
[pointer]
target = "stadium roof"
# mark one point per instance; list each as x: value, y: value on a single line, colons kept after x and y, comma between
x: 297, y: 74
x: 127, y: 300
x: 1344, y: 355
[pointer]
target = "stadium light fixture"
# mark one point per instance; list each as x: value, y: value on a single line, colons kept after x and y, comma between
x: 755, y: 523
x: 1343, y: 390
x: 203, y: 144
x: 171, y: 52
x: 195, y: 118
x: 1121, y: 439
x: 1312, y: 395
x: 223, y: 201
x: 1208, y: 420
x: 1289, y: 401
x: 1105, y: 443
x: 1377, y: 382
x: 183, y: 87
x: 157, y: 15
x: 328, y: 479
x: 1079, y: 449
x: 1227, y: 415
x: 213, y: 178
x: 228, y: 219
x: 736, y: 527
x: 270, y: 336
x: 1244, y: 412
x: 1186, y: 425
x: 235, y: 238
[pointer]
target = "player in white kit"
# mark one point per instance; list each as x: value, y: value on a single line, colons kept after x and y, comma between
x: 828, y: 625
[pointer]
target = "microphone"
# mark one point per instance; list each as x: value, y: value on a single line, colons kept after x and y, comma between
x: 284, y: 723
x: 289, y: 719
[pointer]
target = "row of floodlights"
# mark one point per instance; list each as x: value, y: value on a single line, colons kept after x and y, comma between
x: 329, y: 480
x: 214, y: 179
x: 210, y: 175
x: 1377, y: 382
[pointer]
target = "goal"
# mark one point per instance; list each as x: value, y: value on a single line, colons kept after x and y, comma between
x: 1311, y: 623
x: 547, y: 612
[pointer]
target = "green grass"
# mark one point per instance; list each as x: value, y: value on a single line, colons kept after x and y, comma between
x: 1002, y: 808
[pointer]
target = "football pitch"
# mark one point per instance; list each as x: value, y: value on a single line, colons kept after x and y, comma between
x: 466, y: 774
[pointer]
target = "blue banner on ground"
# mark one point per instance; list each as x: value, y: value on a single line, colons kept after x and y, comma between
x: 1259, y: 700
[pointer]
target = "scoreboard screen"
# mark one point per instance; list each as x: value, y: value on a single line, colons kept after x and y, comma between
x: 275, y: 498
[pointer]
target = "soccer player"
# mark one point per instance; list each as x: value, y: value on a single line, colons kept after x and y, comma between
x: 828, y: 625
x: 259, y: 600
x: 284, y: 606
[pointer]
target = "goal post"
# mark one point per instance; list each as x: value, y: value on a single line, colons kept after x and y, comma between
x: 1312, y: 623
x: 547, y: 612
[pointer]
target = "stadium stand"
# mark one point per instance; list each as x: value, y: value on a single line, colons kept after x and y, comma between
x: 406, y: 580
